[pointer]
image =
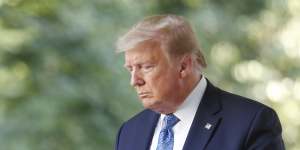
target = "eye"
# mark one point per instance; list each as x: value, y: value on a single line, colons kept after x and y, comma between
x: 147, y: 67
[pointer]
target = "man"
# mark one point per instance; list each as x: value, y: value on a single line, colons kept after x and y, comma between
x: 183, y: 110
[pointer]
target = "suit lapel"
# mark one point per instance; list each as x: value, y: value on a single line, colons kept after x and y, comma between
x: 206, y: 120
x: 144, y: 132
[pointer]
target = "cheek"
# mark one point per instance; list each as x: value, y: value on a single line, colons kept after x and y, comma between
x: 164, y: 85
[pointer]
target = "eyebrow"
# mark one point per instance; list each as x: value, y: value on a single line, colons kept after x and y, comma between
x: 146, y: 62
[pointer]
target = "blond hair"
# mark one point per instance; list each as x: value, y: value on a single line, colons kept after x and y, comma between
x: 173, y: 33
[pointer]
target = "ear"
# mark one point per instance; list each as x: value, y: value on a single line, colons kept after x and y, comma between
x: 186, y: 65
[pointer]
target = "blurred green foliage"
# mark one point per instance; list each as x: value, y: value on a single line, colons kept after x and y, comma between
x: 62, y: 87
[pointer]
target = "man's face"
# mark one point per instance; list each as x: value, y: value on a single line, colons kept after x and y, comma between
x: 154, y: 76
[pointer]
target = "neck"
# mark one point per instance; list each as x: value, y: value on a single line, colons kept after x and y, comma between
x: 189, y: 84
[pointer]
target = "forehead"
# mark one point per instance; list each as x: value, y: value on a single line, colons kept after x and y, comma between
x: 144, y: 53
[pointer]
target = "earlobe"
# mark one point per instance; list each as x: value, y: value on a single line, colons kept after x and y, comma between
x: 183, y: 73
x: 183, y: 70
x: 185, y: 65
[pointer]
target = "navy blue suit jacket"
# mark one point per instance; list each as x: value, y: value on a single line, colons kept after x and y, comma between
x: 237, y: 123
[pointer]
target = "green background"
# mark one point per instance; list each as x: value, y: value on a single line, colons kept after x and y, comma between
x: 62, y: 87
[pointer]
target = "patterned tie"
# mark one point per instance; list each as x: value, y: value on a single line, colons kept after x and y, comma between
x: 166, y: 135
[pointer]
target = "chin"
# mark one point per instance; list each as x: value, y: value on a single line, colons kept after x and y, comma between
x: 148, y: 106
x: 148, y: 103
x: 152, y: 105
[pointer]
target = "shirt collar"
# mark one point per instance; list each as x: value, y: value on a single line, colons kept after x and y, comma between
x: 187, y: 110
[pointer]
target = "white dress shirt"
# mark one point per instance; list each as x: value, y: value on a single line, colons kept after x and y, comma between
x: 185, y: 113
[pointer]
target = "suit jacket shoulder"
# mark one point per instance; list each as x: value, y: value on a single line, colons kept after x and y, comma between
x: 242, y: 123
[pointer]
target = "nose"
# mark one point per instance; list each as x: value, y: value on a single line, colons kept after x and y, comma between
x: 136, y: 79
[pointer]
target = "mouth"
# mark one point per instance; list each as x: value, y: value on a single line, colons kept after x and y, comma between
x: 143, y: 94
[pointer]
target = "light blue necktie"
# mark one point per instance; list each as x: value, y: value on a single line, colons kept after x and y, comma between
x: 166, y: 135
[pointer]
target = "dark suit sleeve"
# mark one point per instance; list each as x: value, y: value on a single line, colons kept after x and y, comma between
x: 265, y: 131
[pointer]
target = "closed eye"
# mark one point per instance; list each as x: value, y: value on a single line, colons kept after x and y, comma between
x: 147, y: 67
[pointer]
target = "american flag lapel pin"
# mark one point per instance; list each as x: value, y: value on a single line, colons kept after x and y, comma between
x: 207, y: 126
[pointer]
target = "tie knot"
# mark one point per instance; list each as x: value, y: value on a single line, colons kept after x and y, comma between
x: 169, y: 121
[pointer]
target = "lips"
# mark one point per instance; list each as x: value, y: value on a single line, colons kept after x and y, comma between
x: 143, y: 94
